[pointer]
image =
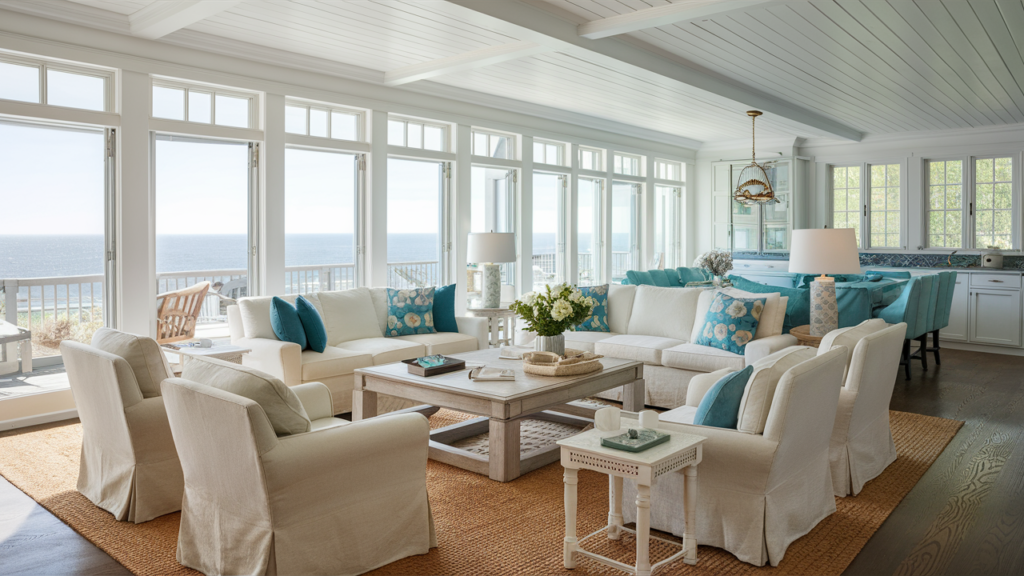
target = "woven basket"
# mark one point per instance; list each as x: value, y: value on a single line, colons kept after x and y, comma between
x: 574, y: 363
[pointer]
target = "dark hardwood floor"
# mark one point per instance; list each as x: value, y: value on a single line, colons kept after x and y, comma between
x: 965, y: 516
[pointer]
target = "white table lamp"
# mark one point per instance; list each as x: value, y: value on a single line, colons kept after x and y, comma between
x: 488, y: 249
x: 824, y: 251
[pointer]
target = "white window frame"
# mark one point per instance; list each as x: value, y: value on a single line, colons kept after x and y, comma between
x: 599, y: 154
x: 561, y: 155
x: 617, y: 158
x: 966, y: 196
x: 446, y: 129
x: 660, y: 162
x: 864, y: 210
x: 970, y: 226
x: 513, y: 141
x: 360, y: 115
x: 108, y: 76
x: 214, y: 91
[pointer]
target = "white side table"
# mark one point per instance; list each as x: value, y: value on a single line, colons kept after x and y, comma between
x: 501, y: 323
x: 584, y: 452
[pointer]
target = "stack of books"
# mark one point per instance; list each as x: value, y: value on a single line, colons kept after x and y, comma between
x: 485, y: 374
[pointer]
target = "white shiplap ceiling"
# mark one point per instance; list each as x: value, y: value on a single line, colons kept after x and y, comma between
x: 820, y: 68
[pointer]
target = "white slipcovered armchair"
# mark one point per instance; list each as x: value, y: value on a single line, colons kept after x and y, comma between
x: 129, y: 466
x: 341, y: 498
x: 758, y: 492
x: 862, y: 445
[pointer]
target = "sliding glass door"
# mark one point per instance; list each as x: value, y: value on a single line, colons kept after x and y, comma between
x: 549, y: 192
x: 321, y: 195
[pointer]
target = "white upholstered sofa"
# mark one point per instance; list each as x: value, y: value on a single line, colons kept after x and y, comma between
x: 355, y: 320
x: 658, y: 326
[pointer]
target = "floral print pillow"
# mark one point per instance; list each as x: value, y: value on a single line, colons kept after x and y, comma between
x: 731, y: 322
x: 598, y: 319
x: 410, y: 312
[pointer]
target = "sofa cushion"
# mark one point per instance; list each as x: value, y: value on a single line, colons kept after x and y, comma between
x: 142, y: 354
x: 385, y: 350
x: 690, y: 275
x: 798, y: 307
x: 379, y: 296
x: 665, y: 312
x: 410, y: 311
x: 731, y: 322
x: 443, y: 342
x: 680, y: 415
x: 848, y: 337
x: 646, y: 349
x: 598, y: 319
x: 660, y: 278
x: 255, y: 312
x: 620, y: 306
x: 284, y: 319
x: 701, y: 358
x: 585, y: 341
x: 720, y: 406
x: 639, y: 277
x: 349, y: 315
x: 673, y: 276
x: 757, y: 398
x: 282, y: 407
x: 332, y: 362
x: 312, y: 324
x: 444, y: 309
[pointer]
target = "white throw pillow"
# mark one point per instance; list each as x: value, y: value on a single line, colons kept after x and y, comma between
x: 665, y: 312
x: 349, y: 315
x: 143, y: 355
x: 620, y: 306
x: 380, y: 307
x: 255, y: 313
x: 760, y: 390
x: 282, y: 407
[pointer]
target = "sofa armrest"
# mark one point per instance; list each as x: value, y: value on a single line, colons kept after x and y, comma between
x: 757, y: 349
x: 476, y: 327
x: 316, y: 399
x: 281, y: 360
x: 701, y: 383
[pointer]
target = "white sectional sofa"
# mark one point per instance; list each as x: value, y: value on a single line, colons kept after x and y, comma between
x: 356, y: 321
x: 658, y: 327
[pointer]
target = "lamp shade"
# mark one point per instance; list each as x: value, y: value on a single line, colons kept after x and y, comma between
x: 491, y: 247
x: 824, y: 251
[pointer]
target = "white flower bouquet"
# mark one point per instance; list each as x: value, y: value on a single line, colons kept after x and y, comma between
x: 552, y: 312
x: 714, y: 262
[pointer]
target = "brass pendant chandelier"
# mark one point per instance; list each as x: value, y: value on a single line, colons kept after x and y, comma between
x: 754, y: 186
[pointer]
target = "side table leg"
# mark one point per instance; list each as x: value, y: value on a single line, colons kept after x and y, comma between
x: 569, y: 544
x: 690, y: 531
x: 495, y: 334
x: 643, y: 530
x: 26, y: 356
x: 633, y: 396
x: 614, y: 507
x: 364, y: 402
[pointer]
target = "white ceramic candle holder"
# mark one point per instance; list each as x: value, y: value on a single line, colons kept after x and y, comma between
x: 607, y: 419
x: 649, y: 419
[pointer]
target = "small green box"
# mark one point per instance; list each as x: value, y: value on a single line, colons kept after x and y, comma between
x: 646, y: 439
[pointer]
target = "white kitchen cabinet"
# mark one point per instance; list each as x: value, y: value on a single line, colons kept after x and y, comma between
x: 995, y: 316
x: 959, y: 311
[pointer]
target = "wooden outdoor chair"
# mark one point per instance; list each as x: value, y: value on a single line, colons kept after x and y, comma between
x: 178, y: 312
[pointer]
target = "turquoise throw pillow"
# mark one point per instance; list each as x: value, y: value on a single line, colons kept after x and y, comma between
x: 444, y: 309
x: 720, y: 407
x: 598, y: 319
x: 312, y: 325
x: 798, y: 311
x: 731, y: 322
x: 410, y: 312
x: 284, y: 319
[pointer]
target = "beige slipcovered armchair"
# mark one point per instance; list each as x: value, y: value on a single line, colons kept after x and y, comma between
x: 760, y: 491
x: 862, y: 445
x: 331, y: 497
x: 129, y: 466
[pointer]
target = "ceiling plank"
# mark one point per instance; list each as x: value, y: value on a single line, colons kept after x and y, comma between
x: 532, y: 24
x: 161, y: 18
x: 462, y: 62
x: 657, y: 16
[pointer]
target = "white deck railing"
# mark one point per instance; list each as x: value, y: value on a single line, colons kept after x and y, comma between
x: 30, y: 301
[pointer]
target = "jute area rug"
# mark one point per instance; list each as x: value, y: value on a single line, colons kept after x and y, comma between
x: 485, y: 527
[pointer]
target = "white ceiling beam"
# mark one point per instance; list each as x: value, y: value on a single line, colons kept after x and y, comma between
x: 163, y: 17
x: 462, y: 62
x: 676, y: 13
x: 532, y: 24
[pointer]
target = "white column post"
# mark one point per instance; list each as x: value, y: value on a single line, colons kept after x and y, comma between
x: 572, y: 218
x: 646, y: 224
x: 463, y: 210
x: 524, y: 267
x: 375, y: 231
x: 136, y: 216
x: 273, y: 213
x: 605, y: 232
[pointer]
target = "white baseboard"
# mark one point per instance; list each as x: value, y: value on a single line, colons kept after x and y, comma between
x: 1004, y: 350
x: 38, y: 419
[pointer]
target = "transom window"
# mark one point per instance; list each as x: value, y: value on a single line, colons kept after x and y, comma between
x: 628, y: 164
x: 993, y: 202
x: 547, y: 152
x: 417, y: 134
x: 885, y: 206
x: 668, y: 170
x: 55, y: 84
x: 945, y: 203
x: 203, y: 104
x: 591, y: 158
x: 323, y: 121
x: 494, y: 145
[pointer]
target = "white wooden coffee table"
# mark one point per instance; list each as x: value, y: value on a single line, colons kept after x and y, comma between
x: 502, y: 406
x: 583, y: 451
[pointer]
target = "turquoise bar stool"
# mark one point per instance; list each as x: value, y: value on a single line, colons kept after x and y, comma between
x: 943, y: 305
x: 908, y: 309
